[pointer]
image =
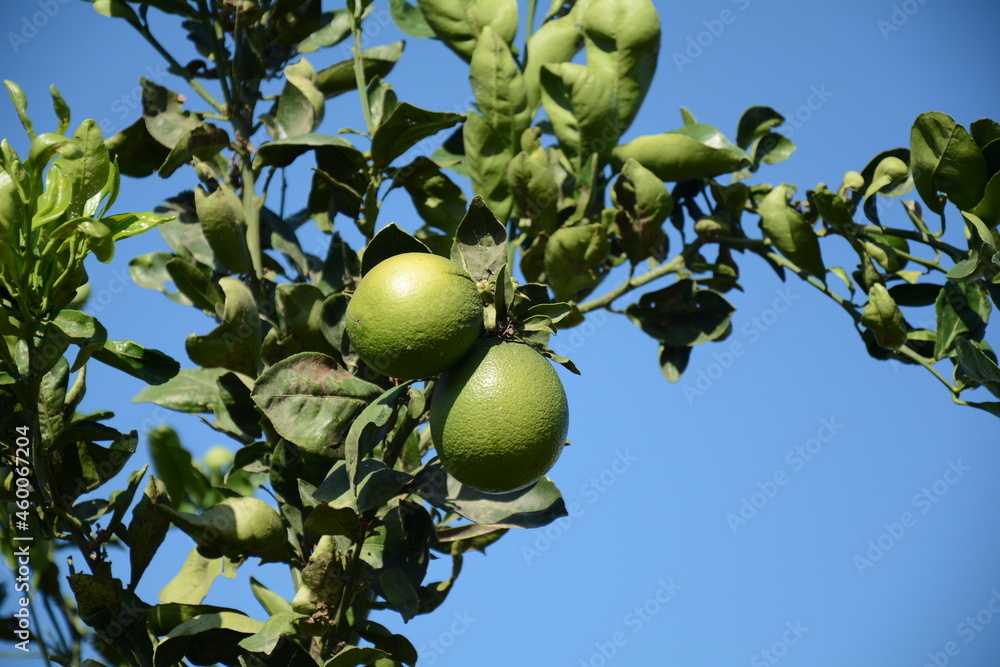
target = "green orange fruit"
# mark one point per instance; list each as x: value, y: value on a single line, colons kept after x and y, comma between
x: 499, y: 417
x: 413, y: 315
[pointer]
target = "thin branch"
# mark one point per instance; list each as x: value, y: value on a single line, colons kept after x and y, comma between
x: 673, y: 266
x: 815, y: 282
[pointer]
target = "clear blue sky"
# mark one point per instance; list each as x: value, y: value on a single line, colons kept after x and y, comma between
x: 648, y: 567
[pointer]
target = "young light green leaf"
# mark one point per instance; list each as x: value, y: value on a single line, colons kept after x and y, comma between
x: 147, y: 529
x: 535, y: 192
x: 623, y: 40
x: 192, y: 582
x: 487, y: 157
x: 339, y: 78
x: 192, y: 390
x: 883, y: 317
x: 573, y: 257
x: 409, y: 19
x: 790, y: 233
x: 459, y: 23
x: 221, y: 217
x: 690, y: 152
x: 580, y: 103
x: 556, y: 41
x: 499, y: 87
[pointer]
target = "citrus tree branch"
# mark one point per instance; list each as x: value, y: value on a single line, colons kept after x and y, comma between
x: 673, y: 266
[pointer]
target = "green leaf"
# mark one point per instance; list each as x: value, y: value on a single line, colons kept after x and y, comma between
x: 340, y: 78
x: 236, y: 343
x: 370, y: 428
x: 268, y: 599
x: 533, y: 507
x: 201, y: 143
x: 150, y: 271
x: 266, y: 639
x: 282, y: 152
x: 391, y: 240
x: 328, y: 520
x: 409, y: 19
x: 187, y: 488
x: 135, y: 150
x: 487, y: 157
x: 166, y: 616
x: 88, y: 174
x: 310, y: 401
x: 126, y: 225
x: 989, y: 208
x: 459, y: 23
x: 756, y: 122
x: 580, y: 103
x: 945, y: 158
x: 397, y: 646
x: 962, y: 309
x: 978, y: 367
x: 643, y: 206
x: 300, y: 104
x: 693, y: 151
x: 147, y: 530
x: 920, y: 294
x: 165, y: 121
x: 221, y: 217
x: 480, y: 242
x: 790, y: 233
x: 116, y: 9
x: 99, y: 239
x: 354, y: 656
x: 884, y: 319
x: 682, y: 315
x: 574, y: 257
x: 832, y: 209
x: 623, y: 40
x: 404, y: 128
x: 499, y: 87
x: 211, y: 634
x: 194, y: 281
x: 556, y: 41
x: 377, y: 484
x: 79, y: 465
x: 772, y: 148
x: 439, y: 202
x: 150, y: 366
x: 20, y: 101
x: 400, y: 544
x: 335, y: 28
x: 84, y: 330
x: 674, y: 361
x: 535, y: 193
x: 192, y: 390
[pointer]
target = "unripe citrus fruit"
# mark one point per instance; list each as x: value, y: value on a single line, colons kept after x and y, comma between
x: 414, y: 315
x: 499, y: 417
x: 235, y: 527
